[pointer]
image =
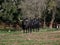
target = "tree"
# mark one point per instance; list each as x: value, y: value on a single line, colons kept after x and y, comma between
x: 30, y: 8
x: 44, y: 13
x: 52, y: 8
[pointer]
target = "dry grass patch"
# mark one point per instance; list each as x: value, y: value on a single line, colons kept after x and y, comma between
x: 34, y: 38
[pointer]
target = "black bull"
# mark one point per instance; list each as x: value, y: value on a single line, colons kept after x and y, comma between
x: 28, y: 25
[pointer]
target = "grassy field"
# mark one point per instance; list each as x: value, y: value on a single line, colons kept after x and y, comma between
x: 34, y: 38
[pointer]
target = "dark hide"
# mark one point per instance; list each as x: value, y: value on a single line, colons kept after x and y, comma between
x: 28, y: 25
x: 25, y: 25
x: 36, y: 24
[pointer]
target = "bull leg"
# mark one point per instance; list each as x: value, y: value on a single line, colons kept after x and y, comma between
x: 30, y: 29
x: 37, y: 30
x: 26, y: 31
x: 23, y: 30
x: 33, y: 29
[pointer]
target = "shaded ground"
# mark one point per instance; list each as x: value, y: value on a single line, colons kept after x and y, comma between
x: 34, y: 38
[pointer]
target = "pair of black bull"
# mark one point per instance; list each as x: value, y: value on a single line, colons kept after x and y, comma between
x: 28, y: 25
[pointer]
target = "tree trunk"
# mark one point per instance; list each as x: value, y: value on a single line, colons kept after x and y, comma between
x: 51, y: 24
x: 44, y: 26
x: 52, y: 20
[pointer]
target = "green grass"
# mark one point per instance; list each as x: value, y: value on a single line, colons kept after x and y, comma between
x: 43, y: 37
